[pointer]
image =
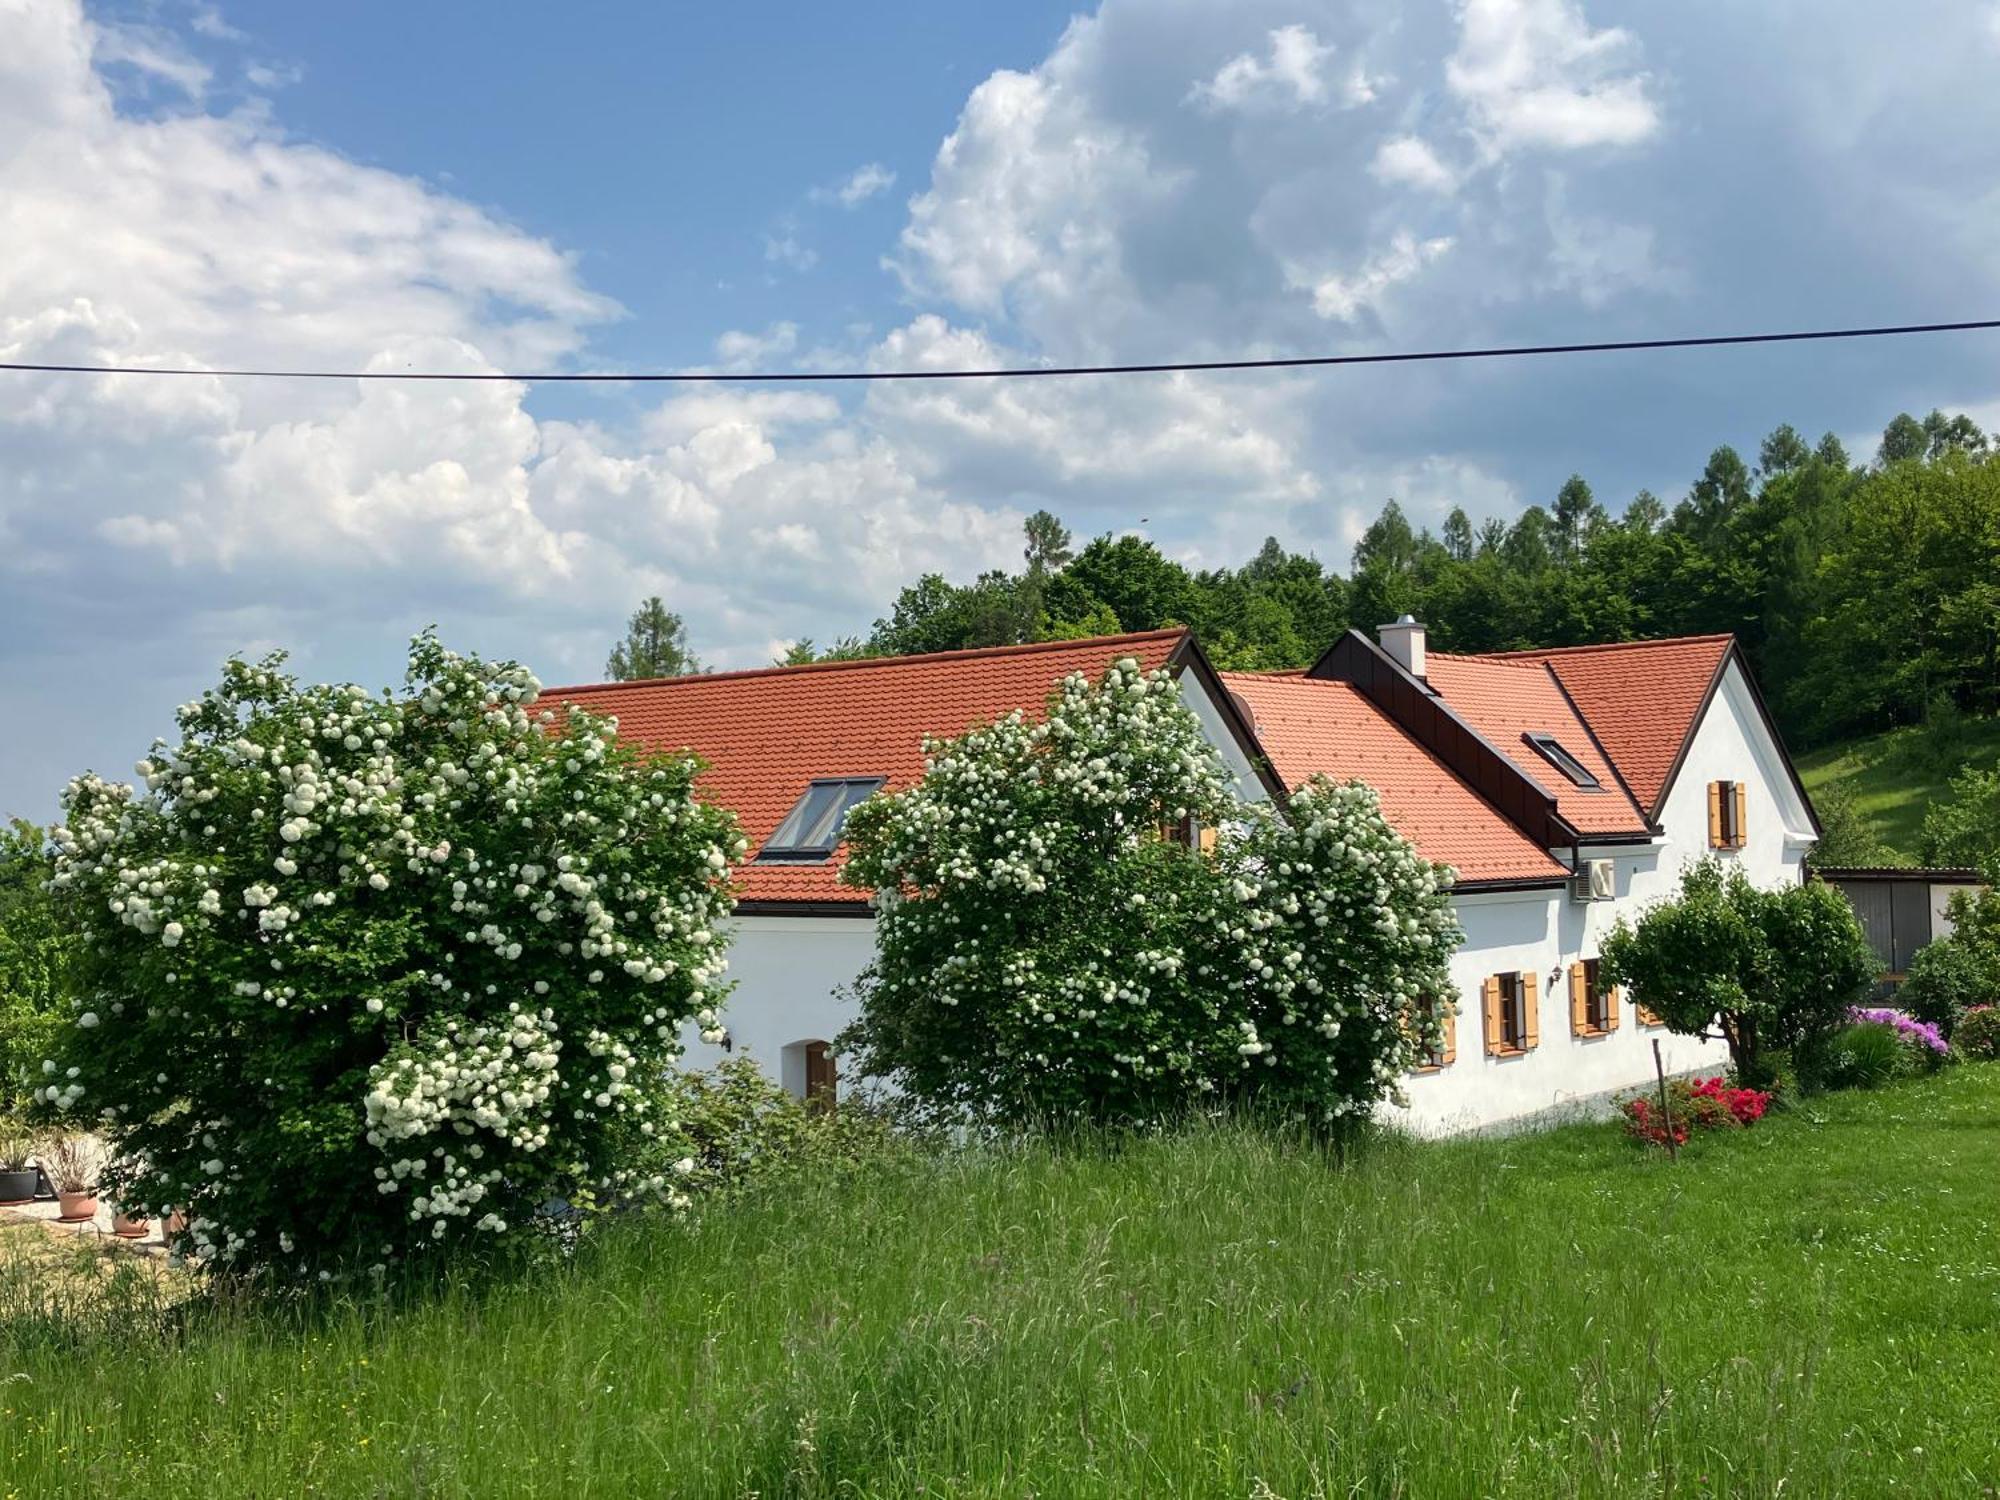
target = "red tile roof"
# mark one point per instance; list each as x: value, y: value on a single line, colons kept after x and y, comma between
x: 1507, y: 699
x: 766, y: 734
x: 1310, y: 726
x: 1641, y: 698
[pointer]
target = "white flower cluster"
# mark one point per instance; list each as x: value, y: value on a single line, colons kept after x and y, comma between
x: 316, y: 874
x: 1045, y: 944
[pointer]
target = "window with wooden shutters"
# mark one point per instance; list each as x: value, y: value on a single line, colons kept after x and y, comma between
x: 1648, y: 1017
x: 1593, y: 1008
x: 1511, y: 1003
x: 1728, y: 815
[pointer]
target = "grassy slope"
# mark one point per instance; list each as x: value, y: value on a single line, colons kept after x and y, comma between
x: 1812, y: 1304
x: 1890, y: 792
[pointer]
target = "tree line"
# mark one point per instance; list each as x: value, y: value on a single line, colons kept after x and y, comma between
x: 1867, y: 594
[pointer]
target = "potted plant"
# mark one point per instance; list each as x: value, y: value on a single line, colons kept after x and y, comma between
x: 18, y: 1177
x: 73, y: 1162
x: 130, y: 1224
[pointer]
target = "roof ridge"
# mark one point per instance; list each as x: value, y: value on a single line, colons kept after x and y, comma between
x: 1022, y: 648
x: 1539, y: 652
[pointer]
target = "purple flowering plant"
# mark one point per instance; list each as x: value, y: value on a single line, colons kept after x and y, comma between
x: 1918, y: 1033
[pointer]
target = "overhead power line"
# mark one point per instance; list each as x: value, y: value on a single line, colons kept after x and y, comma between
x: 1023, y: 372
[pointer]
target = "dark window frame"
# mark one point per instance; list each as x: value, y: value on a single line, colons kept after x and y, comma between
x: 1556, y: 754
x: 820, y: 851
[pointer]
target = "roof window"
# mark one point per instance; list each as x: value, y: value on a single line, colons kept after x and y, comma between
x: 1552, y: 752
x: 811, y: 830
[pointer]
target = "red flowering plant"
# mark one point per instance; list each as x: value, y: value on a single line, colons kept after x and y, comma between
x: 1693, y: 1104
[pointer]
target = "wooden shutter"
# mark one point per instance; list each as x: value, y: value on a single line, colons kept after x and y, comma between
x: 1531, y: 1011
x: 1611, y: 999
x: 1740, y: 831
x: 1207, y: 840
x: 1715, y: 815
x: 1496, y: 1036
x: 1648, y: 1017
x: 1448, y: 1047
x: 1579, y: 1001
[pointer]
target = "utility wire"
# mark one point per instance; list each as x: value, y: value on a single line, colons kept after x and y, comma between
x: 802, y: 377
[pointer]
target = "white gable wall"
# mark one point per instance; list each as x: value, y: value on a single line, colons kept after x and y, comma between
x: 1547, y: 931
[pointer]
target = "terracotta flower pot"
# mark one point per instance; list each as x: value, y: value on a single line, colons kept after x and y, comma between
x: 130, y: 1226
x: 19, y: 1186
x: 176, y: 1222
x: 76, y: 1207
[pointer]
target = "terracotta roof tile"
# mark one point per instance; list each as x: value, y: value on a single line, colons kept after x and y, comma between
x: 766, y: 734
x: 1641, y: 698
x: 1505, y: 700
x: 1309, y: 726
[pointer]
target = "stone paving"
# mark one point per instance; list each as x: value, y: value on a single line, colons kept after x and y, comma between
x: 47, y: 1213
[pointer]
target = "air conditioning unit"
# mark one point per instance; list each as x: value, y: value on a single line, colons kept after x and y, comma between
x: 1594, y: 880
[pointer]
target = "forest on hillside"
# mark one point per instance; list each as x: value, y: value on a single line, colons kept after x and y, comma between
x: 1867, y: 594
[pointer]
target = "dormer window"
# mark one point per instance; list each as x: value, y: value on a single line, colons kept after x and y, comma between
x: 1551, y: 750
x: 811, y: 830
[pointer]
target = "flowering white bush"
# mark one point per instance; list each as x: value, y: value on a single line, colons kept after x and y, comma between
x: 1045, y: 951
x: 369, y: 973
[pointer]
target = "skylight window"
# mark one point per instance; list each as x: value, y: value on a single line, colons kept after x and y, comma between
x: 811, y: 830
x: 1552, y: 752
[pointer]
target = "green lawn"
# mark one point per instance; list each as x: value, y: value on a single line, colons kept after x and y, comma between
x: 1890, y: 790
x: 1809, y: 1307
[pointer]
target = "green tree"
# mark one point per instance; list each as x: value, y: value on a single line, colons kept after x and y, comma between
x: 1141, y: 585
x: 1963, y: 828
x: 655, y: 645
x: 1577, y: 514
x: 1773, y: 968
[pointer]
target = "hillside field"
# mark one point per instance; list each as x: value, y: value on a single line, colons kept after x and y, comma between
x: 1892, y: 787
x: 1808, y: 1307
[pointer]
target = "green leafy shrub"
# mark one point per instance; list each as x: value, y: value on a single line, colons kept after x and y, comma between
x: 37, y: 945
x: 1947, y: 978
x: 1963, y: 827
x: 1865, y: 1055
x: 1046, y: 953
x: 372, y: 976
x: 1978, y: 1033
x: 1776, y: 969
x: 739, y: 1130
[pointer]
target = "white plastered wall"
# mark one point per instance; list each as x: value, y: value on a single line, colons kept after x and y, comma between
x: 1546, y: 931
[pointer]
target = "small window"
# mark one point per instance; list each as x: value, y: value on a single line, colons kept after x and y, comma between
x: 1593, y: 1005
x: 1512, y: 1003
x: 1445, y: 1053
x: 1728, y: 815
x: 811, y: 830
x: 1551, y: 750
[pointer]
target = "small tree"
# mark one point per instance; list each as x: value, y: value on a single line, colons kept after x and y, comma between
x: 1774, y: 968
x: 655, y: 645
x: 1048, y: 949
x: 366, y: 976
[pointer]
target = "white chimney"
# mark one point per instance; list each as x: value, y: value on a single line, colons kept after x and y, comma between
x: 1404, y: 642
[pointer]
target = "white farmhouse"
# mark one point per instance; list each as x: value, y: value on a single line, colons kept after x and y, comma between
x: 1566, y: 787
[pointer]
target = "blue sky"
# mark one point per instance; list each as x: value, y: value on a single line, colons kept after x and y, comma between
x: 796, y: 186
